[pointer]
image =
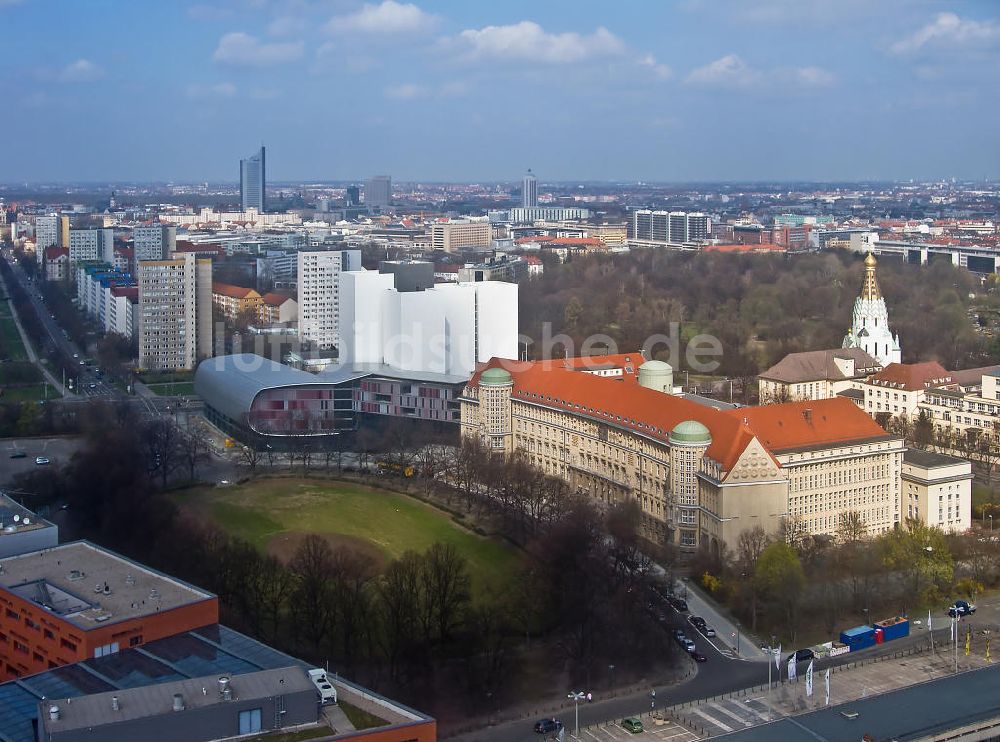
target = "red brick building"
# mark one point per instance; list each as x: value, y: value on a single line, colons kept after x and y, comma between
x: 75, y: 601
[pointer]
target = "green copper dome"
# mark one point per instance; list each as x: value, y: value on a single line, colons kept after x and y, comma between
x: 495, y: 377
x: 690, y: 431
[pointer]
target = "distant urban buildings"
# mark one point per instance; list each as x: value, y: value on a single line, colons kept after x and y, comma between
x: 175, y: 312
x: 658, y: 228
x: 529, y: 191
x: 453, y: 236
x: 253, y: 182
x: 378, y: 192
x: 154, y: 241
x: 91, y: 244
x: 46, y: 234
x: 319, y: 294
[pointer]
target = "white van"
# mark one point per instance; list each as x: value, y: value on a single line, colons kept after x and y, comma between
x: 327, y: 693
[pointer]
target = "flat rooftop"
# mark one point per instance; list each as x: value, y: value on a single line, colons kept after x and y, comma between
x: 929, y: 459
x: 96, y: 710
x: 89, y: 586
x: 15, y: 518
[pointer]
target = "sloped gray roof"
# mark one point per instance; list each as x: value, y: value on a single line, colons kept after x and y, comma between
x: 818, y: 365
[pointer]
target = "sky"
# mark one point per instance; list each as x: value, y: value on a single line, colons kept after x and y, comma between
x: 472, y: 91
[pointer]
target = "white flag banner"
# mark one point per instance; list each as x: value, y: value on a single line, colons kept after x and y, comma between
x: 826, y: 680
x: 791, y: 667
x: 809, y: 679
x: 777, y: 658
x: 954, y: 630
x: 930, y: 626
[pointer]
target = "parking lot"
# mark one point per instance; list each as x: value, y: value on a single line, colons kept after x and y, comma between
x: 662, y: 730
x: 56, y: 450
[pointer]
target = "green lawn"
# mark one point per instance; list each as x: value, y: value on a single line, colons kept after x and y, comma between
x: 262, y: 511
x: 32, y: 393
x: 12, y: 339
x: 168, y: 390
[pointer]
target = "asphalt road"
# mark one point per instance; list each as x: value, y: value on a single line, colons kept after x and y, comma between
x: 56, y: 450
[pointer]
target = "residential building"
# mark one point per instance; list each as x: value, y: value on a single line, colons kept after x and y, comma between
x: 253, y: 182
x: 870, y: 321
x: 461, y: 235
x: 46, y: 234
x: 64, y: 227
x: 968, y: 408
x: 378, y: 192
x: 701, y: 475
x: 57, y: 264
x: 319, y: 294
x: 278, y: 309
x: 22, y: 531
x: 110, y: 296
x: 816, y: 374
x: 446, y: 329
x: 540, y: 213
x: 937, y: 489
x: 899, y: 388
x: 234, y: 301
x: 529, y: 191
x: 154, y: 241
x: 175, y: 312
x: 91, y: 244
x: 66, y: 603
x: 661, y: 228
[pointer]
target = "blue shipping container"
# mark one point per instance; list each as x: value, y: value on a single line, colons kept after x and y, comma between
x: 860, y: 637
x: 893, y: 628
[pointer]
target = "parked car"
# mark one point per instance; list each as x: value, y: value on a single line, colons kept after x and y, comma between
x: 679, y: 604
x: 697, y: 621
x: 801, y: 655
x: 708, y: 631
x: 688, y: 645
x: 699, y: 657
x: 678, y: 634
x: 327, y: 693
x: 41, y: 460
x: 548, y: 726
x: 18, y: 455
x: 632, y: 724
x: 961, y: 608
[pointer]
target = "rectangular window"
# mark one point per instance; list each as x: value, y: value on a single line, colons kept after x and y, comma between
x: 250, y: 721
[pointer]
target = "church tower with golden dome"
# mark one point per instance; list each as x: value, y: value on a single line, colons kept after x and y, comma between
x: 870, y: 322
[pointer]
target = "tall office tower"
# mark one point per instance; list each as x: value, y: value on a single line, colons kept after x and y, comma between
x: 319, y: 293
x: 529, y: 191
x: 91, y: 244
x: 353, y: 196
x: 378, y: 192
x: 175, y: 312
x: 154, y: 242
x: 253, y: 181
x: 46, y: 235
x: 459, y: 235
x: 669, y: 227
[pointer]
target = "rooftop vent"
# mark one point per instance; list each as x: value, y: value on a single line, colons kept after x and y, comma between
x: 154, y: 594
x: 54, y: 712
x: 75, y: 574
x: 178, y: 702
x: 129, y: 579
x: 115, y: 706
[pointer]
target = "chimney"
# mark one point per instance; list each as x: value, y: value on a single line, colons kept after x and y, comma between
x: 178, y: 702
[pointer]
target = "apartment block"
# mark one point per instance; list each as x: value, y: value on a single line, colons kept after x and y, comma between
x: 175, y: 312
x: 461, y: 235
x: 319, y: 293
x: 154, y: 241
x: 91, y: 244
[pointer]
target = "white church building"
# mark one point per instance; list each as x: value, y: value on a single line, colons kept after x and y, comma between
x: 870, y: 323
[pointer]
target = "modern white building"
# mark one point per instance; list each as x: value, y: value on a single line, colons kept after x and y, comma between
x: 660, y: 228
x: 446, y: 329
x: 529, y: 191
x: 539, y: 214
x: 175, y: 312
x: 91, y: 244
x: 870, y: 322
x: 937, y: 489
x: 378, y: 191
x: 153, y: 242
x: 461, y: 234
x: 319, y: 293
x: 253, y: 181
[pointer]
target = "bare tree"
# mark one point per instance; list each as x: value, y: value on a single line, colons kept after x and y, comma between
x: 312, y: 565
x: 445, y: 585
x: 251, y: 457
x: 851, y: 527
x: 161, y: 439
x: 194, y: 450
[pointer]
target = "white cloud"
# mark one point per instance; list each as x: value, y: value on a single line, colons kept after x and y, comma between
x: 731, y: 71
x: 727, y: 71
x: 388, y: 17
x: 217, y: 90
x: 662, y: 71
x: 948, y: 29
x: 406, y: 91
x: 82, y: 70
x: 527, y: 41
x: 242, y: 49
x: 287, y: 25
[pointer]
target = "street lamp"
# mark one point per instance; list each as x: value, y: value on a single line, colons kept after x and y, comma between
x: 611, y: 675
x: 576, y: 697
x: 991, y: 522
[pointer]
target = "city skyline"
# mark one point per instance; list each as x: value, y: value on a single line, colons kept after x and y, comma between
x: 688, y: 91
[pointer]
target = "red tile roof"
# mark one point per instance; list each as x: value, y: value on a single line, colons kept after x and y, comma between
x: 654, y: 414
x: 912, y: 376
x: 227, y: 289
x: 54, y: 253
x: 275, y: 300
x: 809, y: 424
